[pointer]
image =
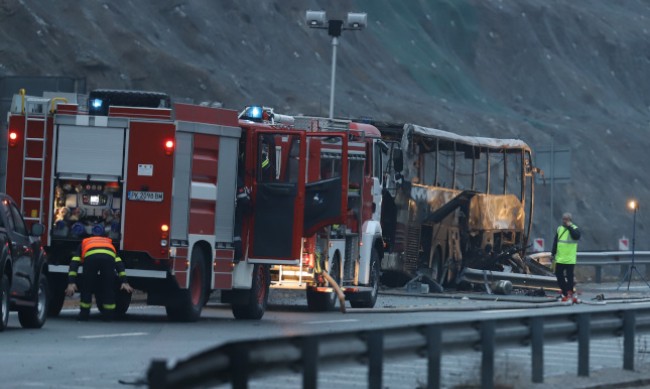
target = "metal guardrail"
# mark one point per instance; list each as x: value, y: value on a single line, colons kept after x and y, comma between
x: 237, y: 362
x: 608, y: 258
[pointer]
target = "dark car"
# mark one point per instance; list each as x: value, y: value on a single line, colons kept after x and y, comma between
x: 23, y: 284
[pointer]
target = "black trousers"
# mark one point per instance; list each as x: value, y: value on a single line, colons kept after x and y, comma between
x: 98, y: 276
x: 564, y: 274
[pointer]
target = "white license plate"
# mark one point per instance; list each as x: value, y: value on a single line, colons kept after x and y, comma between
x: 145, y: 196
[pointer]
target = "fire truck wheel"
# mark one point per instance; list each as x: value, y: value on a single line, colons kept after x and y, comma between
x: 4, y: 302
x: 258, y: 295
x: 325, y: 301
x: 368, y: 300
x: 189, y: 303
x: 34, y: 317
x: 56, y: 296
x: 122, y: 302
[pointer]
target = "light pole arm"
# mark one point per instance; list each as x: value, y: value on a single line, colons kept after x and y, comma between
x: 335, y: 43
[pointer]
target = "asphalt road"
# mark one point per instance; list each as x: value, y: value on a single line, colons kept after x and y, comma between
x: 70, y: 354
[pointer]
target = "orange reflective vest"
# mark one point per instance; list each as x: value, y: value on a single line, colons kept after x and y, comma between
x: 97, y: 243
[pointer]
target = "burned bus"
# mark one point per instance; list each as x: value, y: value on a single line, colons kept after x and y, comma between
x: 457, y: 208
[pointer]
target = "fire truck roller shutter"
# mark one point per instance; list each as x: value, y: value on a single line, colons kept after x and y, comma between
x: 90, y: 150
x: 182, y: 183
x: 226, y: 188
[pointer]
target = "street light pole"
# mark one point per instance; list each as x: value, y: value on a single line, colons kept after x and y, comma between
x: 318, y: 19
x: 335, y: 43
x: 634, y: 206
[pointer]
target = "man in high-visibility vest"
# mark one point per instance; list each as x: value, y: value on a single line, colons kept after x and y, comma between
x: 100, y: 261
x: 565, y: 249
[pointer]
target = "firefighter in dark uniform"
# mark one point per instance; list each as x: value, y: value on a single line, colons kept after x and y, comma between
x: 100, y: 260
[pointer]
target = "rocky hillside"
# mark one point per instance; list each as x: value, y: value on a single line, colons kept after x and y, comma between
x: 575, y: 74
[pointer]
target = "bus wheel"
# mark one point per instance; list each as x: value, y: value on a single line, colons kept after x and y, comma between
x: 325, y: 301
x: 258, y: 296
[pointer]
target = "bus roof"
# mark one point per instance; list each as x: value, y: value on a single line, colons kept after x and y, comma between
x: 495, y: 143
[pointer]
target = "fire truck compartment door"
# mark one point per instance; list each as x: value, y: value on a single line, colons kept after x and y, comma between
x: 90, y: 150
x: 278, y: 197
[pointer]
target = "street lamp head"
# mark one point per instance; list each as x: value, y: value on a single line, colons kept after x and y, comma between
x: 633, y: 205
x: 356, y: 21
x: 316, y: 19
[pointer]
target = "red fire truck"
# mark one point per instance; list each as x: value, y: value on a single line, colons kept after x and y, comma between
x: 162, y: 180
x: 348, y: 249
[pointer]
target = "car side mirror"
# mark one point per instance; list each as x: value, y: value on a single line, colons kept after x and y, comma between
x: 38, y: 229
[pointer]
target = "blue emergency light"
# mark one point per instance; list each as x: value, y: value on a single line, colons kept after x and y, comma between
x: 96, y: 103
x: 253, y: 113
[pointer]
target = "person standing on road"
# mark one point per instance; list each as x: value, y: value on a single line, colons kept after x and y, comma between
x: 565, y: 249
x: 100, y: 260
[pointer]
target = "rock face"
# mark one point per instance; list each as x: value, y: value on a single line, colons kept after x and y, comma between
x: 575, y: 74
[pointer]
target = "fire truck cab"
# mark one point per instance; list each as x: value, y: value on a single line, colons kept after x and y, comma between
x: 349, y: 248
x: 163, y: 181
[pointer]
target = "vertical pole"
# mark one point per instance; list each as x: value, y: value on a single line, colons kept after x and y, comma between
x: 434, y: 346
x: 583, y: 344
x: 537, y: 348
x: 487, y: 357
x: 629, y: 322
x: 552, y: 178
x: 335, y: 43
x: 239, y: 367
x: 633, y: 266
x: 310, y: 362
x: 375, y: 359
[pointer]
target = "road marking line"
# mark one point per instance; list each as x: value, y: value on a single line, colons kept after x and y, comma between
x: 331, y: 321
x: 113, y: 335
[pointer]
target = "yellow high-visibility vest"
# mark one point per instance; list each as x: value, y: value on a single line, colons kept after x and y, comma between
x: 567, y: 247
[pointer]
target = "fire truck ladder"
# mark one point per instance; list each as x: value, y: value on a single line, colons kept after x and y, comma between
x: 36, y: 110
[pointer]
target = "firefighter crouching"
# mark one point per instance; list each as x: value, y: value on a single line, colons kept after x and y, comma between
x: 98, y: 255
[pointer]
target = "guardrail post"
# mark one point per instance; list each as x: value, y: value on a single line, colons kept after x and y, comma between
x: 433, y: 334
x: 599, y: 273
x: 239, y: 367
x: 487, y: 358
x: 647, y: 271
x: 157, y: 374
x: 623, y: 272
x: 537, y: 348
x: 583, y: 344
x: 375, y: 344
x: 310, y: 362
x: 629, y: 324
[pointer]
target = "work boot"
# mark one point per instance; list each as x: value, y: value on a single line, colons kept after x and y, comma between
x: 84, y: 314
x: 108, y: 315
x: 571, y: 298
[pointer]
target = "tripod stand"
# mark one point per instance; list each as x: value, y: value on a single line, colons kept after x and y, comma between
x: 628, y: 274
